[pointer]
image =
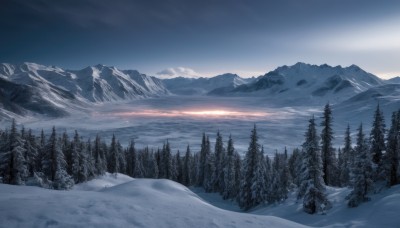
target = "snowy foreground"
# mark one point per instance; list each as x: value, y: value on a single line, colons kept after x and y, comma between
x: 106, y: 202
x: 126, y: 202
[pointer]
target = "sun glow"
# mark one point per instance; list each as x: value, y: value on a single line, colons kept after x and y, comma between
x: 206, y: 113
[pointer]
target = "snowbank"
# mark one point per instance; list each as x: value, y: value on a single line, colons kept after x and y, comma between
x: 382, y: 211
x: 134, y: 203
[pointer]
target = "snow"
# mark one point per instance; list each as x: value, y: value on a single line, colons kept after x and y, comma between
x: 122, y: 201
x: 381, y: 211
x: 135, y: 203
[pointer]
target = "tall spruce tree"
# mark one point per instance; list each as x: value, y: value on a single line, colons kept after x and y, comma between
x: 218, y: 175
x: 377, y: 140
x: 113, y: 164
x: 204, y: 155
x: 361, y: 175
x: 347, y: 159
x: 229, y: 172
x: 54, y: 164
x: 252, y: 182
x: 311, y: 182
x: 391, y: 159
x: 186, y: 168
x: 13, y: 168
x: 327, y: 151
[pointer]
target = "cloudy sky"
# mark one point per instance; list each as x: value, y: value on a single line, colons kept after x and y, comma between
x: 202, y: 38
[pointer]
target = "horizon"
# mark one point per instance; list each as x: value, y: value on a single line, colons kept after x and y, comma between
x: 202, y: 76
x: 177, y: 37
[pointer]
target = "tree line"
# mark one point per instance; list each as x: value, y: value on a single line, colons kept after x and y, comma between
x: 58, y: 162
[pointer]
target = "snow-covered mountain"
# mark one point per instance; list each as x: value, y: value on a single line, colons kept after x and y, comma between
x: 202, y: 86
x: 59, y: 89
x: 395, y: 80
x: 360, y: 106
x: 304, y: 83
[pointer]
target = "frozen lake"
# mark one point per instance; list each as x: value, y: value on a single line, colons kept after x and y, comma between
x: 182, y: 120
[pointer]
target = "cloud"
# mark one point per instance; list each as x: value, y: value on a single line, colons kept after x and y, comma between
x: 178, y: 71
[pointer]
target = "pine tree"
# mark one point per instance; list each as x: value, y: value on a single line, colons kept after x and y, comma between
x: 312, y: 184
x: 252, y: 183
x: 347, y: 158
x: 76, y: 158
x: 178, y: 167
x: 130, y: 155
x: 229, y: 172
x: 391, y: 159
x: 377, y: 138
x: 218, y: 175
x: 204, y: 154
x: 13, y: 168
x: 328, y: 153
x: 295, y: 163
x: 361, y: 171
x: 209, y: 168
x: 186, y: 174
x: 113, y: 165
x: 90, y: 160
x: 166, y: 162
x: 54, y: 164
x: 31, y: 154
x: 99, y: 157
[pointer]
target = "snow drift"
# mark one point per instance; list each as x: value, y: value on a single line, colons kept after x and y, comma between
x: 135, y: 203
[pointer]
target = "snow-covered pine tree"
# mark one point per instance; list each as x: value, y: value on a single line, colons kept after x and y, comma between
x: 89, y: 159
x: 76, y: 158
x: 67, y: 151
x: 178, y: 167
x: 392, y: 156
x: 377, y: 138
x: 361, y: 176
x: 347, y: 159
x: 31, y: 153
x: 99, y: 157
x: 186, y: 168
x: 130, y: 155
x: 138, y: 169
x: 113, y: 164
x: 209, y: 167
x: 204, y: 154
x: 166, y: 162
x: 327, y: 151
x: 312, y: 185
x: 121, y: 158
x: 13, y: 168
x: 252, y: 182
x: 229, y: 171
x: 284, y: 176
x: 218, y: 175
x: 295, y: 163
x: 54, y: 164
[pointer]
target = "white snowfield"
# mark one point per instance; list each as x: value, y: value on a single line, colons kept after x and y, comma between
x: 110, y: 202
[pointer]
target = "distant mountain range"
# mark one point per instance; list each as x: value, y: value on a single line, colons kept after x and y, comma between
x: 203, y: 86
x: 33, y: 89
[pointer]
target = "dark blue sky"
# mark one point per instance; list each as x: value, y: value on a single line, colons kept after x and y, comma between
x: 205, y: 37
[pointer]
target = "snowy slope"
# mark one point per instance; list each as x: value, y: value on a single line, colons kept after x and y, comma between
x: 359, y: 107
x: 136, y: 203
x: 382, y: 211
x: 201, y: 86
x: 305, y: 83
